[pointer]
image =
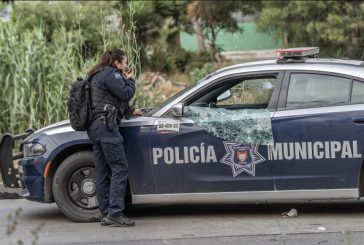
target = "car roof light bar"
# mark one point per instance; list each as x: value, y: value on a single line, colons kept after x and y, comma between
x: 296, y: 55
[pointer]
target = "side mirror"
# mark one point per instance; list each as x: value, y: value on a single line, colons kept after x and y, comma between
x: 224, y: 96
x: 177, y: 110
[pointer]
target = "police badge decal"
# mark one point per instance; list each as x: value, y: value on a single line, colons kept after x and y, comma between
x: 241, y: 158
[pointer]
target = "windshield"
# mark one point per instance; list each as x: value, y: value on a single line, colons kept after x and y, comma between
x: 150, y: 113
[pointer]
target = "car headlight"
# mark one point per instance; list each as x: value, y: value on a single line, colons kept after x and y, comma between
x: 33, y: 149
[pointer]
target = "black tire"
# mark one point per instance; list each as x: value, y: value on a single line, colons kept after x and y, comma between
x: 73, y: 185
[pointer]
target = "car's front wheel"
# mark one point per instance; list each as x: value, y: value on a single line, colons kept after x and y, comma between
x: 74, y: 188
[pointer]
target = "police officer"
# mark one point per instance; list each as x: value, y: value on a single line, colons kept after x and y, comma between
x: 111, y: 90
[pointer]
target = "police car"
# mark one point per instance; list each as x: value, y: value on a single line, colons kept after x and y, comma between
x: 311, y: 148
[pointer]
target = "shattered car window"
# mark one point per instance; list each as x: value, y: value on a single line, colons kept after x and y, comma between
x: 243, y: 126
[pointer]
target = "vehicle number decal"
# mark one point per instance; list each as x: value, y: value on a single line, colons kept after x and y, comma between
x: 167, y: 126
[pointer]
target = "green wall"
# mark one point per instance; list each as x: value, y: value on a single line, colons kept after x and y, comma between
x: 249, y: 39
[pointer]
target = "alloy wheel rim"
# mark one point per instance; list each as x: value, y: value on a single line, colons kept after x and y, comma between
x: 82, y: 188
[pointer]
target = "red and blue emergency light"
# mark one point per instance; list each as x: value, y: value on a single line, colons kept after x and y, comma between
x: 295, y: 55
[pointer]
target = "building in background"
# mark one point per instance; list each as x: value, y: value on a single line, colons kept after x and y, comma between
x: 247, y: 45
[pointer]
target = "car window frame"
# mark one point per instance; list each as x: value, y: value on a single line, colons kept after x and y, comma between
x: 238, y: 82
x: 233, y: 78
x: 282, y: 101
x: 351, y: 90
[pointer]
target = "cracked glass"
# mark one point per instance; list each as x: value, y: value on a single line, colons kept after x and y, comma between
x: 243, y: 126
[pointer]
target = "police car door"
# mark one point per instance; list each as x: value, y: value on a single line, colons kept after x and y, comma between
x: 318, y: 132
x: 186, y: 158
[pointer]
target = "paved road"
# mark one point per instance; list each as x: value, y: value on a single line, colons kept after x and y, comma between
x: 194, y: 224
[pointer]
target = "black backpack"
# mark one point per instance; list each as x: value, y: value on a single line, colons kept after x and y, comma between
x: 79, y: 105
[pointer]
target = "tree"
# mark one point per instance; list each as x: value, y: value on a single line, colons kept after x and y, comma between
x: 196, y: 24
x: 150, y: 17
x: 337, y: 27
x: 157, y: 24
x: 210, y: 17
x: 175, y: 11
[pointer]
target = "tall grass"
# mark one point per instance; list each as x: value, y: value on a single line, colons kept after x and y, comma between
x: 128, y: 38
x: 36, y: 75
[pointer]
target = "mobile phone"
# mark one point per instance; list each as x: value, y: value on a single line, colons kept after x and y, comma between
x: 129, y: 69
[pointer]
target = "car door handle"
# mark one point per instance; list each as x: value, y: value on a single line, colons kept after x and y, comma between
x: 358, y: 120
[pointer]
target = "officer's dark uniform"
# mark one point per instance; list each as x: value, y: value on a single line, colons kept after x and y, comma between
x: 108, y: 86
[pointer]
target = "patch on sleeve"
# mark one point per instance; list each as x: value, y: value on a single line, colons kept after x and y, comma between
x: 117, y: 75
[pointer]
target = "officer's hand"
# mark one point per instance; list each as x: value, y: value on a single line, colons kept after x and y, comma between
x: 137, y: 112
x: 129, y: 72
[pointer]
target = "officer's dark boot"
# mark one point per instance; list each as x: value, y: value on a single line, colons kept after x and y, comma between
x: 121, y: 220
x: 103, y: 221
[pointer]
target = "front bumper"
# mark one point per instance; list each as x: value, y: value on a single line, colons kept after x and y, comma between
x: 31, y: 179
x: 23, y: 173
x: 9, y: 173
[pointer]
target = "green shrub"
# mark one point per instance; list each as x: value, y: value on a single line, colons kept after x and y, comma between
x: 147, y: 99
x: 161, y: 61
x: 181, y: 58
x: 177, y: 60
x: 198, y: 60
x: 198, y: 73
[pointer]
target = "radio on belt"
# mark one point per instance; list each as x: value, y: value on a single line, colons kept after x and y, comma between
x: 296, y: 55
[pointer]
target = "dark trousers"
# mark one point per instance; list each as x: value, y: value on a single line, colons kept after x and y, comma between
x: 111, y: 167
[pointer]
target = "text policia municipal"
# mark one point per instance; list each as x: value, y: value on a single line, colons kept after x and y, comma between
x: 314, y: 150
x: 277, y: 151
x: 186, y: 154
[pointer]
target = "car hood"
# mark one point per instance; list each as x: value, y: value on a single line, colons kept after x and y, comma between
x: 65, y: 126
x: 58, y: 125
